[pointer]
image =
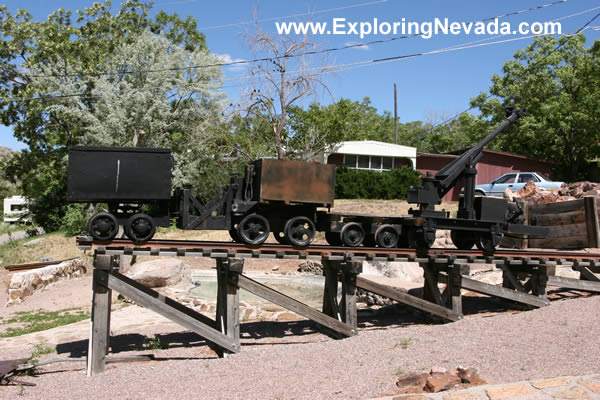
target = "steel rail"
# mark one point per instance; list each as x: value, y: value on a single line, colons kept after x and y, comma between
x: 325, y: 250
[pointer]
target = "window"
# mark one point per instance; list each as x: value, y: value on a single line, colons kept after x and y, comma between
x: 387, y: 163
x: 524, y: 178
x: 510, y: 178
x: 350, y: 160
x: 376, y: 163
x: 363, y: 162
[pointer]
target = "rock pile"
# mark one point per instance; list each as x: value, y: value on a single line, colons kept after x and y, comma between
x: 23, y: 284
x: 580, y: 189
x: 437, y: 379
x: 532, y: 194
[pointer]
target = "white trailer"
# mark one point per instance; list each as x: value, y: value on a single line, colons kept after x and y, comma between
x: 16, y: 209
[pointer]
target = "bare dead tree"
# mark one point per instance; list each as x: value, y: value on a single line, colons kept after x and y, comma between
x: 284, y: 79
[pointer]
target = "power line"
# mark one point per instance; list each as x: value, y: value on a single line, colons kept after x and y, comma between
x: 293, y: 15
x: 306, y: 53
x: 326, y: 69
x: 343, y: 67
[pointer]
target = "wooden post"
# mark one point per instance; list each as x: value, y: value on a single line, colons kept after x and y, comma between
x: 539, y: 280
x: 115, y: 263
x: 525, y: 240
x: 453, y: 286
x: 228, y: 298
x: 431, y: 291
x: 330, y: 302
x: 349, y: 272
x: 590, y: 205
x: 509, y: 280
x: 100, y: 319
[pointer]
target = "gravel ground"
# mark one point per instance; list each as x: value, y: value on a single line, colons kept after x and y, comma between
x: 292, y: 361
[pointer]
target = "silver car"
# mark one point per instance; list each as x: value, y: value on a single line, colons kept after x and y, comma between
x: 515, y: 181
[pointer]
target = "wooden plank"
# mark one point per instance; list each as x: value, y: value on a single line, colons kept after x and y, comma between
x: 509, y: 294
x: 566, y: 218
x: 294, y: 305
x: 100, y: 317
x: 567, y: 231
x: 511, y: 279
x: 585, y: 273
x: 396, y: 294
x: 165, y: 307
x: 592, y: 221
x: 35, y: 265
x: 556, y: 208
x: 573, y: 242
x: 569, y: 283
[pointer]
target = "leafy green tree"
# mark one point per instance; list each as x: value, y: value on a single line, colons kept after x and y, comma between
x: 558, y: 82
x: 82, y: 43
x: 459, y: 134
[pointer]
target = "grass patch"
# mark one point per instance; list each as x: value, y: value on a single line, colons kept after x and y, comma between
x: 36, y: 321
x: 55, y: 245
x: 404, y: 343
x: 155, y: 343
x: 41, y: 349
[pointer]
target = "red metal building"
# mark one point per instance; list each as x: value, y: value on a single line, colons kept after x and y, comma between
x: 493, y: 163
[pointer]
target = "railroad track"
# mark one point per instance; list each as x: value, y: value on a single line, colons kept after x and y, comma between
x: 273, y: 250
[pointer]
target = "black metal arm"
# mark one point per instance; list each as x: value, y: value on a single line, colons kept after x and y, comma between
x: 434, y: 188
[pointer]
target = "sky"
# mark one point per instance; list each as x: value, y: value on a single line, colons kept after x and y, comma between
x: 431, y: 88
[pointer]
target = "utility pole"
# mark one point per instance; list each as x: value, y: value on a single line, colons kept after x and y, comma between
x: 395, y: 115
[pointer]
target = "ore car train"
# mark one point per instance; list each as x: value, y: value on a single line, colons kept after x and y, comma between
x: 291, y: 199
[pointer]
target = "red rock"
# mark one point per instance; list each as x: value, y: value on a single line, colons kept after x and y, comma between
x: 438, y: 370
x: 528, y: 190
x: 439, y: 382
x: 411, y: 383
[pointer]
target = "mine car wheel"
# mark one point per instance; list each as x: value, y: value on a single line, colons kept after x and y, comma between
x: 140, y: 228
x: 488, y: 242
x: 103, y: 226
x: 352, y: 234
x: 462, y: 240
x: 300, y: 231
x: 281, y: 238
x: 386, y: 236
x: 421, y: 239
x: 253, y: 229
x: 333, y: 238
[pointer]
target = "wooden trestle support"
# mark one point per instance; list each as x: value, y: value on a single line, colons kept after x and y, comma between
x: 525, y: 280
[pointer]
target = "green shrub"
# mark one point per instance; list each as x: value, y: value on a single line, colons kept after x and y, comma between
x: 74, y: 221
x: 365, y: 184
